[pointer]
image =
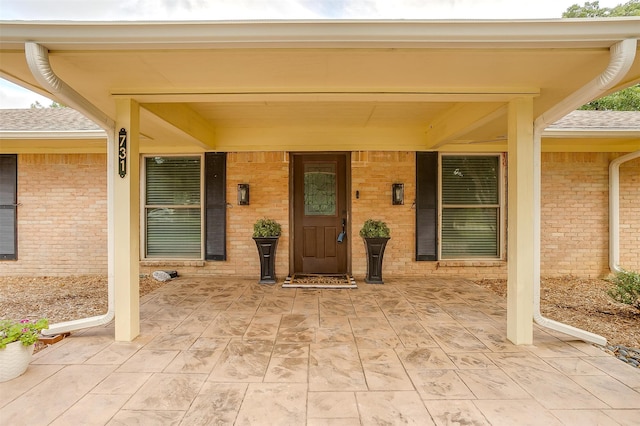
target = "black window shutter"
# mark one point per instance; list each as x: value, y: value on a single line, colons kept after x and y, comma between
x: 216, y: 206
x: 426, y: 206
x: 8, y: 204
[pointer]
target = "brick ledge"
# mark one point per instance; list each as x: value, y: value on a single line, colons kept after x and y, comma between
x: 168, y: 263
x: 472, y: 263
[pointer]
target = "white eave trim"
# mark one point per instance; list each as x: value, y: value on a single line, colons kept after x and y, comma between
x: 318, y: 33
x: 591, y: 133
x: 55, y: 135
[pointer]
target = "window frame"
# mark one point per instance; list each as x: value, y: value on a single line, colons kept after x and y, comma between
x: 500, y: 206
x: 14, y: 204
x: 145, y: 206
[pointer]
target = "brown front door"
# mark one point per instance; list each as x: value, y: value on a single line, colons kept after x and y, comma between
x: 320, y: 213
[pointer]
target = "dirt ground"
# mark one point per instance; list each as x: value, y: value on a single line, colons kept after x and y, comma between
x: 58, y: 298
x: 584, y: 303
x: 580, y: 302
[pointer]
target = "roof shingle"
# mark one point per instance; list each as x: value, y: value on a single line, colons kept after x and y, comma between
x: 67, y: 119
x: 45, y: 119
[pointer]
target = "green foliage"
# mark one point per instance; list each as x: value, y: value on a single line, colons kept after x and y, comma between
x: 626, y: 288
x: 624, y: 100
x: 54, y: 104
x: 25, y: 331
x: 266, y: 228
x: 630, y: 8
x: 593, y: 10
x: 375, y: 229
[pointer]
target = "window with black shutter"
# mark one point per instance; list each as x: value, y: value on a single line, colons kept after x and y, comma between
x: 176, y: 199
x: 8, y: 206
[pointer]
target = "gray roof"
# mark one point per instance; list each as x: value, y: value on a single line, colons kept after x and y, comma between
x: 599, y: 120
x: 67, y: 119
x: 44, y: 120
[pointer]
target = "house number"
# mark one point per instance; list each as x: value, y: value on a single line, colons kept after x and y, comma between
x: 122, y: 153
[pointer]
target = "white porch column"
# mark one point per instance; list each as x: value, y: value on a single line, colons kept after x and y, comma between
x: 126, y: 205
x: 520, y: 255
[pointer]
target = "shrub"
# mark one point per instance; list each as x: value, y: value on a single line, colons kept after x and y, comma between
x: 266, y: 228
x: 626, y: 288
x: 375, y: 229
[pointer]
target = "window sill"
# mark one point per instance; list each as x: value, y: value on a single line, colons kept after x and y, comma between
x: 471, y: 263
x: 172, y: 262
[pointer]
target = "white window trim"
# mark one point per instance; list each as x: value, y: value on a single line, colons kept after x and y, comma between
x: 501, y: 207
x: 143, y: 209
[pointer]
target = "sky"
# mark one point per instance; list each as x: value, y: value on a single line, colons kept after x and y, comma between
x: 12, y: 96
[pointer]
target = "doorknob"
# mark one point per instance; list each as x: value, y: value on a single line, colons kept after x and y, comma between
x: 343, y: 234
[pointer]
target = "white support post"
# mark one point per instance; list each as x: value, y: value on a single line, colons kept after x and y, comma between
x: 126, y: 205
x: 520, y: 220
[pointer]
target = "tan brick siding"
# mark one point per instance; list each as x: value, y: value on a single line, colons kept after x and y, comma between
x: 62, y: 215
x: 575, y: 216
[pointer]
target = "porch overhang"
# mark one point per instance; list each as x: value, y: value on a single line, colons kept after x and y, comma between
x: 325, y: 85
x: 298, y: 85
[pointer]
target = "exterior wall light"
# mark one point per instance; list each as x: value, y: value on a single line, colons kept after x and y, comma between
x: 243, y: 194
x: 397, y: 194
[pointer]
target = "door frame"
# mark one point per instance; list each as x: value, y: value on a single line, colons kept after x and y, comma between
x: 292, y: 159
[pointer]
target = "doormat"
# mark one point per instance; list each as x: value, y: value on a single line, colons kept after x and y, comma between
x: 320, y: 281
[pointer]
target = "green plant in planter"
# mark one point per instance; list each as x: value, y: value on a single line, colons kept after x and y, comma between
x: 375, y: 229
x: 265, y: 228
x: 25, y: 331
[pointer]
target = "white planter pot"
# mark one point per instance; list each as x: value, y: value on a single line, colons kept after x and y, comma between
x: 14, y: 360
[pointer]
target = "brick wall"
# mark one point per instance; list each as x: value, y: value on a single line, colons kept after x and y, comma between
x: 575, y: 217
x: 62, y: 215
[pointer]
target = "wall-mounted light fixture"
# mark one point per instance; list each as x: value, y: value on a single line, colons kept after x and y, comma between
x: 397, y: 194
x: 243, y: 194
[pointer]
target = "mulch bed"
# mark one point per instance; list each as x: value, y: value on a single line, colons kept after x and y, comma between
x: 583, y: 303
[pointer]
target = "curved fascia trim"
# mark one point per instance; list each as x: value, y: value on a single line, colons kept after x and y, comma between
x: 597, y: 32
x: 622, y: 55
x: 38, y: 61
x: 621, y: 58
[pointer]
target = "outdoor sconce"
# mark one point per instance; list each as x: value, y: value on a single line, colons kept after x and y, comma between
x: 243, y: 194
x: 397, y: 194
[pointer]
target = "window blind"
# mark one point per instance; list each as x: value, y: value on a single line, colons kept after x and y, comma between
x: 470, y: 206
x: 172, y: 207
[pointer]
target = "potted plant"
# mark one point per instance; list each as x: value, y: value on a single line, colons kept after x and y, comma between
x: 266, y: 233
x: 17, y: 339
x: 375, y: 234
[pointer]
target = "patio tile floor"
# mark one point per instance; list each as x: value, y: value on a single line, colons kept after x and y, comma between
x: 411, y: 351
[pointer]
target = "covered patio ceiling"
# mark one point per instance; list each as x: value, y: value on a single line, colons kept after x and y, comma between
x: 330, y: 85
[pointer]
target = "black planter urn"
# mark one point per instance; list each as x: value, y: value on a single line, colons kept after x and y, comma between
x: 375, y: 253
x: 267, y: 251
